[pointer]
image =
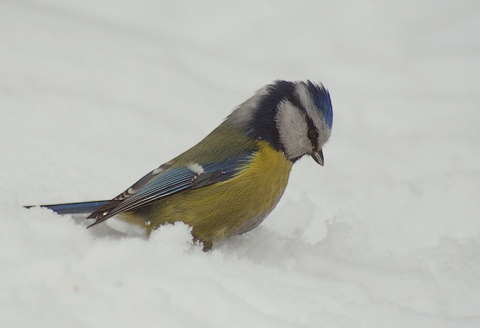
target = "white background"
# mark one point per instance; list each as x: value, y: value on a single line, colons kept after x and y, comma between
x: 95, y: 94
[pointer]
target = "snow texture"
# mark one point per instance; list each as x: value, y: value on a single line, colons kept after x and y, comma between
x: 94, y: 94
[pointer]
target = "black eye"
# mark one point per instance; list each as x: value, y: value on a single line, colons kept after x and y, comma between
x: 312, y: 132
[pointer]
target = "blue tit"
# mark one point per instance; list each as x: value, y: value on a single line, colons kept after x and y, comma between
x: 230, y: 181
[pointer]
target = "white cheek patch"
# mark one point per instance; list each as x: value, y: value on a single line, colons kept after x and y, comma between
x: 292, y: 129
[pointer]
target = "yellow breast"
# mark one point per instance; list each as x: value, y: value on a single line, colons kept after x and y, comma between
x: 230, y: 207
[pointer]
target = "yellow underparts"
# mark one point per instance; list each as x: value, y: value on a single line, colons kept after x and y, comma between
x: 230, y: 207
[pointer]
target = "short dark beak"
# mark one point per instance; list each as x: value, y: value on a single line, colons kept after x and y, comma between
x: 318, y: 157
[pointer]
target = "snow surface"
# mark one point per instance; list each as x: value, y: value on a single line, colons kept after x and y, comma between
x: 94, y: 94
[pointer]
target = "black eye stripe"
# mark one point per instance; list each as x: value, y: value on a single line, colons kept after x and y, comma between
x: 261, y: 125
x: 312, y: 132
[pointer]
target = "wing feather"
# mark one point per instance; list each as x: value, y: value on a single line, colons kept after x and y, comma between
x: 166, y: 181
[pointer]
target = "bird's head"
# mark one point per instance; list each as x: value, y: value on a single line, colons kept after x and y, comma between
x: 295, y: 117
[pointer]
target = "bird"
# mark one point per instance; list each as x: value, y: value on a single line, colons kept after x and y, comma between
x: 231, y: 180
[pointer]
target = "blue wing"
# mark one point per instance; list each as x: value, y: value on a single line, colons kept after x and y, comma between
x: 166, y: 181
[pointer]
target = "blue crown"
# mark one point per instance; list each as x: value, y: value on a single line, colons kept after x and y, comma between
x: 322, y: 100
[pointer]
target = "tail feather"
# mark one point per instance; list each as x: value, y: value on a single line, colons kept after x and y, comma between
x: 75, y: 208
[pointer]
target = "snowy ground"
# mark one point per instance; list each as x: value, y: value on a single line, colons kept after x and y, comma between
x: 93, y: 94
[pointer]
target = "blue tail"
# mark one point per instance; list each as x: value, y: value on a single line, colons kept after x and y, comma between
x: 75, y: 208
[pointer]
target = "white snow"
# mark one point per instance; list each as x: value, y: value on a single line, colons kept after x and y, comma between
x: 95, y: 93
